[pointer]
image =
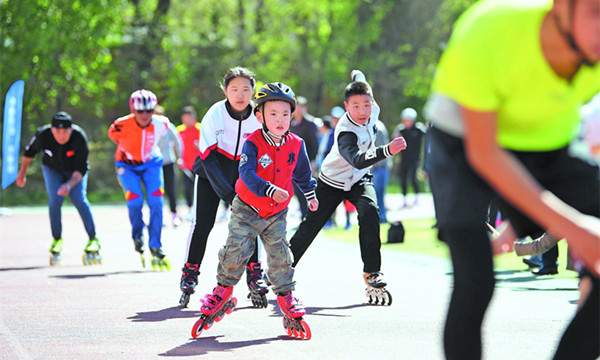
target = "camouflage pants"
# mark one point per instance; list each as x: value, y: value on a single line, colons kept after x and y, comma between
x: 244, y: 226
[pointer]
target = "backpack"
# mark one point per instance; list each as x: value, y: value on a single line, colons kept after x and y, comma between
x: 396, y: 233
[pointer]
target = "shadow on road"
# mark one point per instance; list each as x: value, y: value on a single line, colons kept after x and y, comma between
x: 174, y: 312
x: 83, y: 276
x: 205, y: 345
x: 23, y: 268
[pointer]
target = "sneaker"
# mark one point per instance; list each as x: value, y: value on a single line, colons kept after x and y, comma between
x: 374, y: 279
x: 533, y: 261
x: 215, y: 301
x: 175, y: 220
x: 290, y: 306
x: 545, y: 270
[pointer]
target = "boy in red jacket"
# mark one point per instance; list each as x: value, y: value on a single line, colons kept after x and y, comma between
x: 272, y: 158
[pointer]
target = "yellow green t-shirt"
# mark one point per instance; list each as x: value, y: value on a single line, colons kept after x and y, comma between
x: 494, y: 62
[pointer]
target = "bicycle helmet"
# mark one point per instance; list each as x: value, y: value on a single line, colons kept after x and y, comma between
x: 143, y: 100
x: 409, y: 113
x: 274, y: 91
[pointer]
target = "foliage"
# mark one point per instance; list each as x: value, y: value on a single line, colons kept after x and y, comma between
x: 86, y: 57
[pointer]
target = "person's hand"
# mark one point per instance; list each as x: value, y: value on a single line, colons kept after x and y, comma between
x: 583, y: 237
x: 21, y: 180
x: 397, y: 144
x: 503, y: 241
x: 64, y: 189
x: 280, y: 195
x: 313, y: 204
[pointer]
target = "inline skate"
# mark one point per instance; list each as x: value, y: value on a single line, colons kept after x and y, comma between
x: 55, y: 250
x: 214, y: 307
x: 375, y: 291
x: 138, y: 243
x: 159, y: 260
x: 91, y: 253
x: 189, y: 280
x: 256, y: 285
x: 293, y: 312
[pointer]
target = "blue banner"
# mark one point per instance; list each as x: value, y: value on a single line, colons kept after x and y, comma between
x: 11, y: 136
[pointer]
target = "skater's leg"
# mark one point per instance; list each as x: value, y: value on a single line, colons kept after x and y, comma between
x: 474, y: 281
x: 256, y: 254
x: 78, y: 196
x: 413, y: 178
x: 153, y: 182
x: 170, y: 182
x: 188, y: 189
x: 132, y: 187
x: 244, y: 226
x: 53, y: 181
x: 302, y: 202
x: 362, y: 195
x: 279, y: 255
x: 206, y: 206
x: 329, y: 199
x: 461, y: 200
x: 380, y: 180
x: 581, y: 339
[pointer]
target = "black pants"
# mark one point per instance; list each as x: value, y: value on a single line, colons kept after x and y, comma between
x: 170, y: 186
x: 207, y: 204
x: 408, y: 173
x: 188, y: 187
x: 362, y: 195
x: 461, y: 200
x: 301, y: 200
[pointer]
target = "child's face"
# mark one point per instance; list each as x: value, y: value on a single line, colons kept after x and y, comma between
x: 239, y: 92
x: 277, y: 116
x: 586, y: 27
x: 359, y: 107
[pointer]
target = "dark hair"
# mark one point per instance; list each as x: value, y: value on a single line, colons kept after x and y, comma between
x: 238, y: 71
x: 357, y: 88
x: 189, y: 110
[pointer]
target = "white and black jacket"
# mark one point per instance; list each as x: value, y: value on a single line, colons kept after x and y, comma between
x: 353, y: 152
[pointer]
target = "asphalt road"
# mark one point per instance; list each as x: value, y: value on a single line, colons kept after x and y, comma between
x: 118, y: 310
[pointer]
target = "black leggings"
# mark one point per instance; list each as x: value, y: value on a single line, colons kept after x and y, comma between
x: 207, y: 204
x: 170, y: 186
x: 408, y: 172
x: 581, y: 339
x: 474, y: 282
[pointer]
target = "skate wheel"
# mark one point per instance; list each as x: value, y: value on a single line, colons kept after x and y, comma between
x: 220, y: 317
x: 307, y: 333
x: 208, y: 325
x: 387, y: 298
x: 231, y: 305
x: 184, y: 300
x: 197, y: 328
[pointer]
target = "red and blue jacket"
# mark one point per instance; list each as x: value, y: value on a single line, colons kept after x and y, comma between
x: 265, y: 165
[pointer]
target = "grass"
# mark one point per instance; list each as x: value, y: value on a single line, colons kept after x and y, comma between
x: 421, y: 238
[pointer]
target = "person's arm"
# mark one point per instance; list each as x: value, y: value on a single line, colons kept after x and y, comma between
x: 22, y: 175
x: 209, y: 162
x: 348, y: 147
x: 114, y: 132
x: 248, y: 174
x: 65, y: 188
x: 511, y: 180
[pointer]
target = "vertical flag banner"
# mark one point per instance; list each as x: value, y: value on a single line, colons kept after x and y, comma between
x: 11, y: 136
